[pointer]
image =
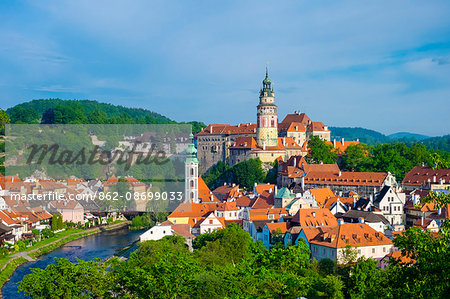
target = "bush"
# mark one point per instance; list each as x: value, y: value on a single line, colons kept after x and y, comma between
x: 47, y: 233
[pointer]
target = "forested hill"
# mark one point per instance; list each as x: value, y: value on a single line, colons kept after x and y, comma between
x: 372, y: 137
x: 58, y: 111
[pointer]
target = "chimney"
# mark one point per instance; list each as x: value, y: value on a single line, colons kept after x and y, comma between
x: 334, y: 142
x: 313, y: 214
x: 340, y: 221
x: 233, y: 185
x: 423, y: 164
x: 361, y: 219
x: 340, y: 173
x: 439, y: 211
x: 434, y: 178
x: 357, y: 139
x: 421, y: 221
x: 211, y: 129
x: 284, y: 141
x: 343, y: 143
x: 276, y: 189
x: 354, y: 202
x: 303, y: 183
x: 295, y: 161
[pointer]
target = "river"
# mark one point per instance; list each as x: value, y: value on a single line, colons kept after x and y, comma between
x: 103, y: 245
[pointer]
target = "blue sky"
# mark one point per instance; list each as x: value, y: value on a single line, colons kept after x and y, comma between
x: 383, y: 65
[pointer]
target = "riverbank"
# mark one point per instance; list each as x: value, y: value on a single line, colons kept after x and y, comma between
x: 38, y: 250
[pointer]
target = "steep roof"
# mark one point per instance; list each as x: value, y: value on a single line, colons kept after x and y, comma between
x: 421, y: 174
x: 354, y: 234
x: 204, y: 193
x: 314, y: 217
x: 297, y: 118
x: 316, y: 126
x: 321, y: 195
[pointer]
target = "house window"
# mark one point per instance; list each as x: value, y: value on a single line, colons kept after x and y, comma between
x: 373, y: 250
x: 384, y: 249
x: 210, y: 222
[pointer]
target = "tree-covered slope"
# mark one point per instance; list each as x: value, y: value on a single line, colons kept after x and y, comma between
x: 367, y: 136
x: 40, y: 106
x: 58, y: 111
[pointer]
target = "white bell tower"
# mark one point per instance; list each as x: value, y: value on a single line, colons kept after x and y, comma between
x: 191, y: 173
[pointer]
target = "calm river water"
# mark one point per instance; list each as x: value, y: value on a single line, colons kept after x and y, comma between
x: 101, y: 246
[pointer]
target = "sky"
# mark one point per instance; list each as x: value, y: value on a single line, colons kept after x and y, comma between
x: 382, y: 65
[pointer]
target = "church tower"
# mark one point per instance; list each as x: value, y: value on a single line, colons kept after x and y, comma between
x: 191, y: 173
x: 267, y: 121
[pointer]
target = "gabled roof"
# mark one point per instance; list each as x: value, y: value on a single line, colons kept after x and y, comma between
x: 204, y: 193
x: 321, y: 195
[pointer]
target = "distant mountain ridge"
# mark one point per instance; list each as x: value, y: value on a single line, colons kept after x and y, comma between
x: 372, y: 137
x: 400, y: 135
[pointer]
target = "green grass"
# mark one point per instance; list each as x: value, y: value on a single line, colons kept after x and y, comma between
x: 10, y: 268
x: 4, y: 260
x: 56, y: 237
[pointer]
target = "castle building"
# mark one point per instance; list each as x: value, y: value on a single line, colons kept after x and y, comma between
x: 267, y: 121
x: 267, y: 139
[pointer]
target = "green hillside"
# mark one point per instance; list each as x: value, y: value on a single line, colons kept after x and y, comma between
x: 366, y: 136
x: 58, y: 111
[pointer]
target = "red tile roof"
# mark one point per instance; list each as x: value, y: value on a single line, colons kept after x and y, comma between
x: 421, y: 174
x: 273, y: 227
x: 353, y: 234
x: 226, y: 129
x: 297, y: 118
x: 314, y: 217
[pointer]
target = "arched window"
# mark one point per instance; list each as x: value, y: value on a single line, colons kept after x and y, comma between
x: 192, y: 183
x: 192, y: 195
x: 192, y: 171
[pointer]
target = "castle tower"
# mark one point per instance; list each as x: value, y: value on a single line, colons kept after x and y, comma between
x: 191, y: 173
x: 267, y: 121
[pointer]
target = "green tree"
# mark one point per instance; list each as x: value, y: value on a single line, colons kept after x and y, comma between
x: 54, y: 222
x: 348, y: 255
x: 22, y: 115
x: 320, y: 151
x: 355, y: 158
x: 85, y: 279
x: 4, y: 119
x: 97, y: 117
x: 247, y: 173
x: 430, y: 262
